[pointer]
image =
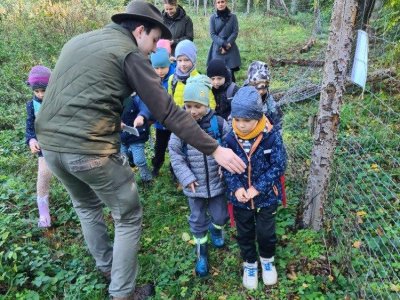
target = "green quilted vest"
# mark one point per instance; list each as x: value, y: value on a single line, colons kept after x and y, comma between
x: 83, y: 102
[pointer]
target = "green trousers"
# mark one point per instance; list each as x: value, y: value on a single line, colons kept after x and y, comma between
x: 93, y: 181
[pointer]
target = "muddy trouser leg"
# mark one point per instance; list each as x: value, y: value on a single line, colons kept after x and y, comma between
x: 92, y: 181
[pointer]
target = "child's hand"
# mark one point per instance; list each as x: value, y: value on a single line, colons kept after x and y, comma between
x: 122, y: 125
x: 192, y: 186
x: 252, y: 192
x: 241, y: 195
x: 139, y: 121
x: 34, y: 146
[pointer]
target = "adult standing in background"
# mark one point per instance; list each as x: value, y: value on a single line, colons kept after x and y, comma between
x: 224, y: 29
x: 178, y: 22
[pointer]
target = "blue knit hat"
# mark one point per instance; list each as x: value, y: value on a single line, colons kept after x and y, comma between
x: 160, y: 58
x: 197, y: 89
x: 187, y: 48
x: 247, y: 104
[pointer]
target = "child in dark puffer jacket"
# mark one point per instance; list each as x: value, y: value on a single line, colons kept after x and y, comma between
x: 199, y: 174
x: 256, y: 193
x: 222, y: 87
x: 38, y: 80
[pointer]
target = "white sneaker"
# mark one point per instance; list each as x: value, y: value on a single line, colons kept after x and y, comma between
x: 250, y: 275
x: 269, y: 275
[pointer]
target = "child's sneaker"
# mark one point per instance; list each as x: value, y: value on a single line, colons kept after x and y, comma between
x: 269, y: 275
x: 250, y: 275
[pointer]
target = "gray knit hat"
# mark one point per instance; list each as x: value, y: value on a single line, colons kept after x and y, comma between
x: 197, y: 89
x: 257, y: 71
x: 247, y: 104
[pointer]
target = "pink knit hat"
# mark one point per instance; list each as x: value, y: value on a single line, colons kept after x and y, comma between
x: 39, y: 77
x: 166, y: 44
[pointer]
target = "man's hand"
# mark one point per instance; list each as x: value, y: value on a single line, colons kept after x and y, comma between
x: 34, y: 146
x: 226, y: 158
x: 252, y: 192
x: 139, y: 121
x: 192, y: 186
x: 241, y: 195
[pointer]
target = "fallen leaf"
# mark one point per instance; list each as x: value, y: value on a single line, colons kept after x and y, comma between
x: 305, y: 285
x: 357, y: 244
x: 379, y: 231
x: 192, y: 242
x: 361, y: 213
x: 395, y: 287
x: 331, y: 278
x: 185, y: 236
x: 359, y: 220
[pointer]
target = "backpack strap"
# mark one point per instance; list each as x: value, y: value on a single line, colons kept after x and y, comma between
x: 215, y: 129
x: 174, y: 83
x: 229, y: 91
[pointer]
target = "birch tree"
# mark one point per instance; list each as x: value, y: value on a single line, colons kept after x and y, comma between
x: 333, y: 84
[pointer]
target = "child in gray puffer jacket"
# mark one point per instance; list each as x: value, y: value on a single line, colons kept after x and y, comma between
x: 200, y: 174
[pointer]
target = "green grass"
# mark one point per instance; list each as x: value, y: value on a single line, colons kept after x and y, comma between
x: 55, y: 264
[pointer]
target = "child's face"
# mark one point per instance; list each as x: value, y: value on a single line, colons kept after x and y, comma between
x: 217, y: 81
x: 261, y: 87
x: 196, y: 110
x: 162, y: 71
x: 245, y: 125
x: 39, y: 93
x: 184, y: 64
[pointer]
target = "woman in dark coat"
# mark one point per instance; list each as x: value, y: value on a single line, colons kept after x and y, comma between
x: 224, y: 29
x: 178, y: 22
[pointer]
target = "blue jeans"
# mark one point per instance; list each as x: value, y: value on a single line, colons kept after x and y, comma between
x: 91, y: 182
x: 139, y: 158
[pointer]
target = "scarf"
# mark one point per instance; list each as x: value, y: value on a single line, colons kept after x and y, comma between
x: 223, y: 13
x: 254, y: 133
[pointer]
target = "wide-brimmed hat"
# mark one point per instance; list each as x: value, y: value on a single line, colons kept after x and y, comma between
x: 140, y: 10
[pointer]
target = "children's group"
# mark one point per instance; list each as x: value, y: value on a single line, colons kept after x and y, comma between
x: 243, y: 118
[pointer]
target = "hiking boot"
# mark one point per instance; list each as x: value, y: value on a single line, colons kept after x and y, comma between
x: 140, y: 293
x: 202, y: 260
x: 250, y: 275
x: 269, y: 275
x: 217, y: 237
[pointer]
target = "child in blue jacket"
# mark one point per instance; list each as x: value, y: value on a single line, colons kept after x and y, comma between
x: 160, y: 60
x: 256, y: 193
x: 38, y: 79
x: 136, y: 114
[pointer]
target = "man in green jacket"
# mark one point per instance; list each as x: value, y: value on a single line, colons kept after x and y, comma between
x: 78, y: 131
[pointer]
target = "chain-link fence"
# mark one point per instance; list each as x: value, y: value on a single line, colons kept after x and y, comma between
x: 362, y: 212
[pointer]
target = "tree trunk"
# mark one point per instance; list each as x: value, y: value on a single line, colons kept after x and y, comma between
x: 248, y: 7
x: 268, y: 5
x: 333, y: 84
x: 205, y: 7
x: 293, y: 7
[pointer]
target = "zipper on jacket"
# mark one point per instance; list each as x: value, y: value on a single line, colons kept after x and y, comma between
x: 207, y: 176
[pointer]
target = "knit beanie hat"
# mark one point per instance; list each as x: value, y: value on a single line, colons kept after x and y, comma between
x: 166, y: 44
x: 217, y: 67
x: 247, y: 104
x: 39, y: 77
x: 160, y: 58
x: 257, y: 71
x: 187, y: 48
x: 197, y: 89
